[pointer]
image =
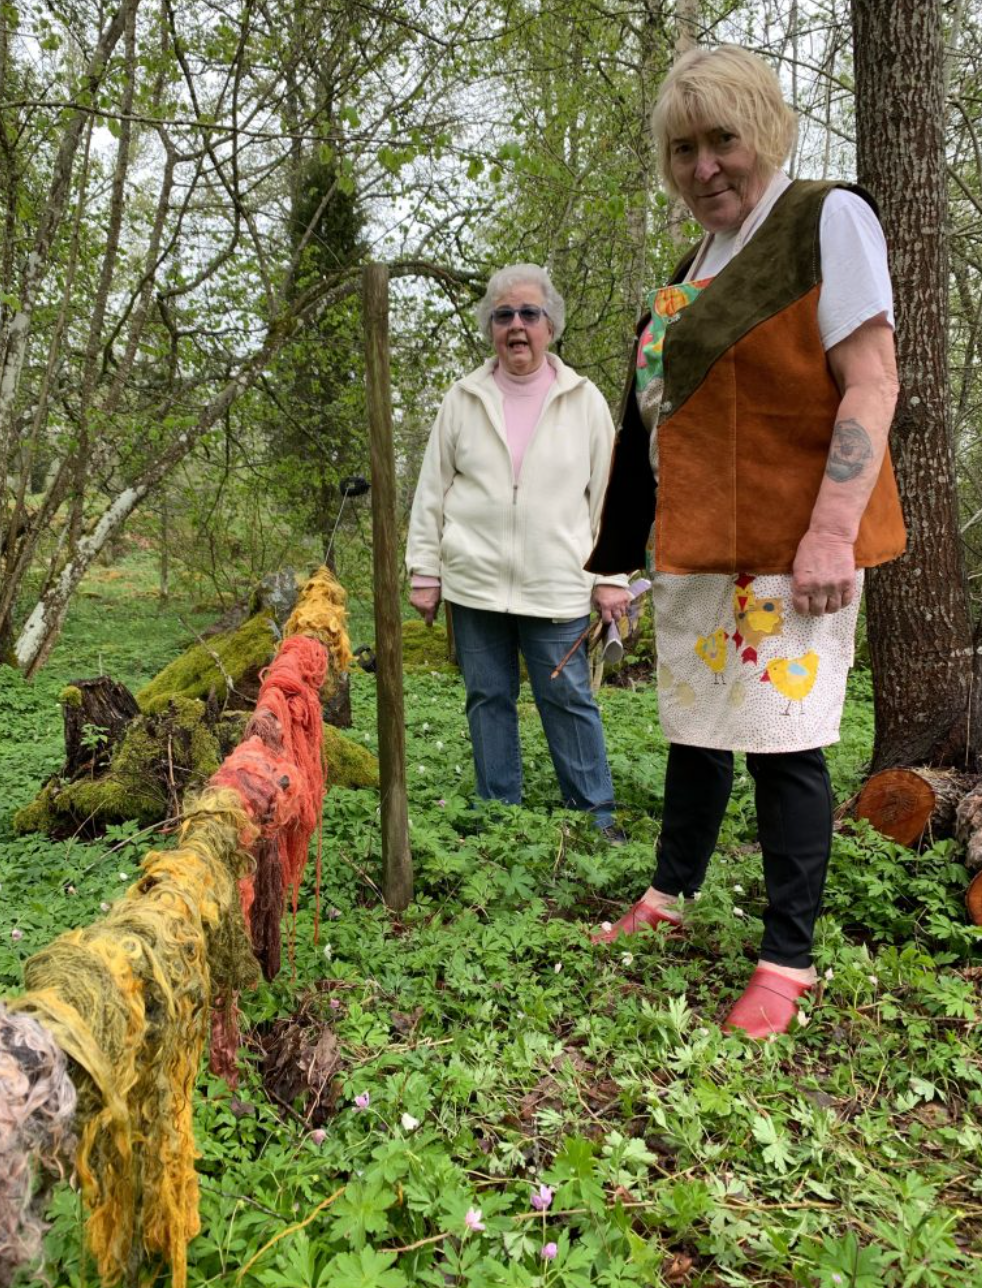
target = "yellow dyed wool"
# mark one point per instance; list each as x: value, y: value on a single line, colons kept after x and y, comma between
x: 128, y: 999
x: 321, y: 613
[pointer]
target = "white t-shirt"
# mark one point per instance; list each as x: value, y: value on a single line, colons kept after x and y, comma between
x: 855, y: 278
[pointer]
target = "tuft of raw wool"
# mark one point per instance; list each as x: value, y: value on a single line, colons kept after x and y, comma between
x: 321, y: 614
x: 37, y: 1111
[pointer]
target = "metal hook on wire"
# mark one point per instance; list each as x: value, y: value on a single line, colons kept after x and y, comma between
x: 350, y: 485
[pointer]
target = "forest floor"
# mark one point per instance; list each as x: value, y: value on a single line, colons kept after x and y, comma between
x: 486, y: 1050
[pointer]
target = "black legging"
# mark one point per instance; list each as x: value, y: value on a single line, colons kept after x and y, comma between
x: 794, y: 825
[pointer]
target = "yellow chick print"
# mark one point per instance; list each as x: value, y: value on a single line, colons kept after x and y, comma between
x: 793, y: 677
x: 755, y: 618
x: 712, y: 650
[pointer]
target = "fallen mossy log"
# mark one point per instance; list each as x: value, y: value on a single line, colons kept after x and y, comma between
x: 121, y: 1008
x: 223, y: 669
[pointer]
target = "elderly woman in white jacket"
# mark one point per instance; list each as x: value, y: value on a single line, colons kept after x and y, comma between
x: 505, y: 514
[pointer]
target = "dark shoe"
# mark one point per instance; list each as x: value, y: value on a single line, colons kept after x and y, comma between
x: 612, y: 834
x: 768, y: 1004
x: 641, y: 914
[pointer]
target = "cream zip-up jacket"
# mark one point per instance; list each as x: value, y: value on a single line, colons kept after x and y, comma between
x: 512, y: 546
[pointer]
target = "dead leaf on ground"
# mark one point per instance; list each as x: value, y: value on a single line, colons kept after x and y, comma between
x: 574, y: 1058
x: 404, y: 1023
x: 678, y: 1269
x: 546, y: 1092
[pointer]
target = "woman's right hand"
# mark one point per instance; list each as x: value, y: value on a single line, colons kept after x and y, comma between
x: 426, y: 600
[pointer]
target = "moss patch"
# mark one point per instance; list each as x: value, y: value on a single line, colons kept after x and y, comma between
x: 39, y: 815
x: 348, y: 763
x: 195, y: 674
x: 176, y: 743
x: 162, y: 755
x: 424, y: 648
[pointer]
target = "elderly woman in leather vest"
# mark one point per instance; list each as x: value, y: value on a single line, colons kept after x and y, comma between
x: 759, y: 408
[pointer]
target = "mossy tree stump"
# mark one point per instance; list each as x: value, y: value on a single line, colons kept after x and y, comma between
x: 96, y: 713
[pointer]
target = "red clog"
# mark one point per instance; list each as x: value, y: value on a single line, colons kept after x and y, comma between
x: 641, y: 914
x: 768, y: 1004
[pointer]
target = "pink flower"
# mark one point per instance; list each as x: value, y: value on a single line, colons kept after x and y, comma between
x: 473, y: 1219
x: 318, y: 1136
x: 363, y: 1101
x: 442, y: 803
x: 549, y: 1251
x: 541, y: 1198
x: 335, y: 1004
x: 17, y: 933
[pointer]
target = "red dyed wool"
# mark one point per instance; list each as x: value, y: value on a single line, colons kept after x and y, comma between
x: 278, y: 768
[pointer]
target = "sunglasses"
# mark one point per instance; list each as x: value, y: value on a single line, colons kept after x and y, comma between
x: 529, y: 314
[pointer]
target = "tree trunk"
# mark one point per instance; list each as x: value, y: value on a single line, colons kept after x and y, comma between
x: 686, y: 37
x: 38, y: 260
x: 40, y: 632
x: 918, y: 610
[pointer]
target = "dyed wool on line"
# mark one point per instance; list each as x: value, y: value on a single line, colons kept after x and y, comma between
x: 128, y: 998
x: 278, y: 771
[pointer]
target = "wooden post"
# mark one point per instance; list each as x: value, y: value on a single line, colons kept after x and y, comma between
x: 397, y: 860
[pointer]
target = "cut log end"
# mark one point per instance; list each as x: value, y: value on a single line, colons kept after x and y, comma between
x: 910, y: 804
x: 973, y: 899
x: 898, y: 803
x: 906, y: 804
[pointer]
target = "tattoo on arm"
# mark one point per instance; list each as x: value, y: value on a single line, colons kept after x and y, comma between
x: 850, y: 452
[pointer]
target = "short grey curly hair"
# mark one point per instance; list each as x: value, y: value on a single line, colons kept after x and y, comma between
x: 521, y: 275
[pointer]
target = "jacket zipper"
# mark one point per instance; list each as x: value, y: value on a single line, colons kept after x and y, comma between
x: 514, y: 538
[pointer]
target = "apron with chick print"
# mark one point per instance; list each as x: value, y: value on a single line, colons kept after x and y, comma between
x: 738, y: 668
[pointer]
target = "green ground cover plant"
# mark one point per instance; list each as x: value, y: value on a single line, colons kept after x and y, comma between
x: 512, y: 1106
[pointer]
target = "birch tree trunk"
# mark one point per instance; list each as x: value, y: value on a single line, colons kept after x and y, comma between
x: 687, y: 13
x: 38, y: 262
x: 920, y: 630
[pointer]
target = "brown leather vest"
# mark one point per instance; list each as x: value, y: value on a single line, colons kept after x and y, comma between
x: 748, y: 413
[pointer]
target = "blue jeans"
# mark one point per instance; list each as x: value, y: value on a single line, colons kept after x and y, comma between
x: 487, y: 650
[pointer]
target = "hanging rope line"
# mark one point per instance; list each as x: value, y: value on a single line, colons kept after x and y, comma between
x: 127, y: 1000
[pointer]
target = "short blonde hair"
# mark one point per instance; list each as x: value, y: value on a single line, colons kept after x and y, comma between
x: 730, y: 87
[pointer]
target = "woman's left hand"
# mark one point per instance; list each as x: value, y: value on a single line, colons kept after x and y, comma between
x: 612, y: 602
x: 824, y: 574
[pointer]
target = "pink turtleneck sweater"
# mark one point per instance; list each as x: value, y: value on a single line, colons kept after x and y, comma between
x: 523, y: 397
